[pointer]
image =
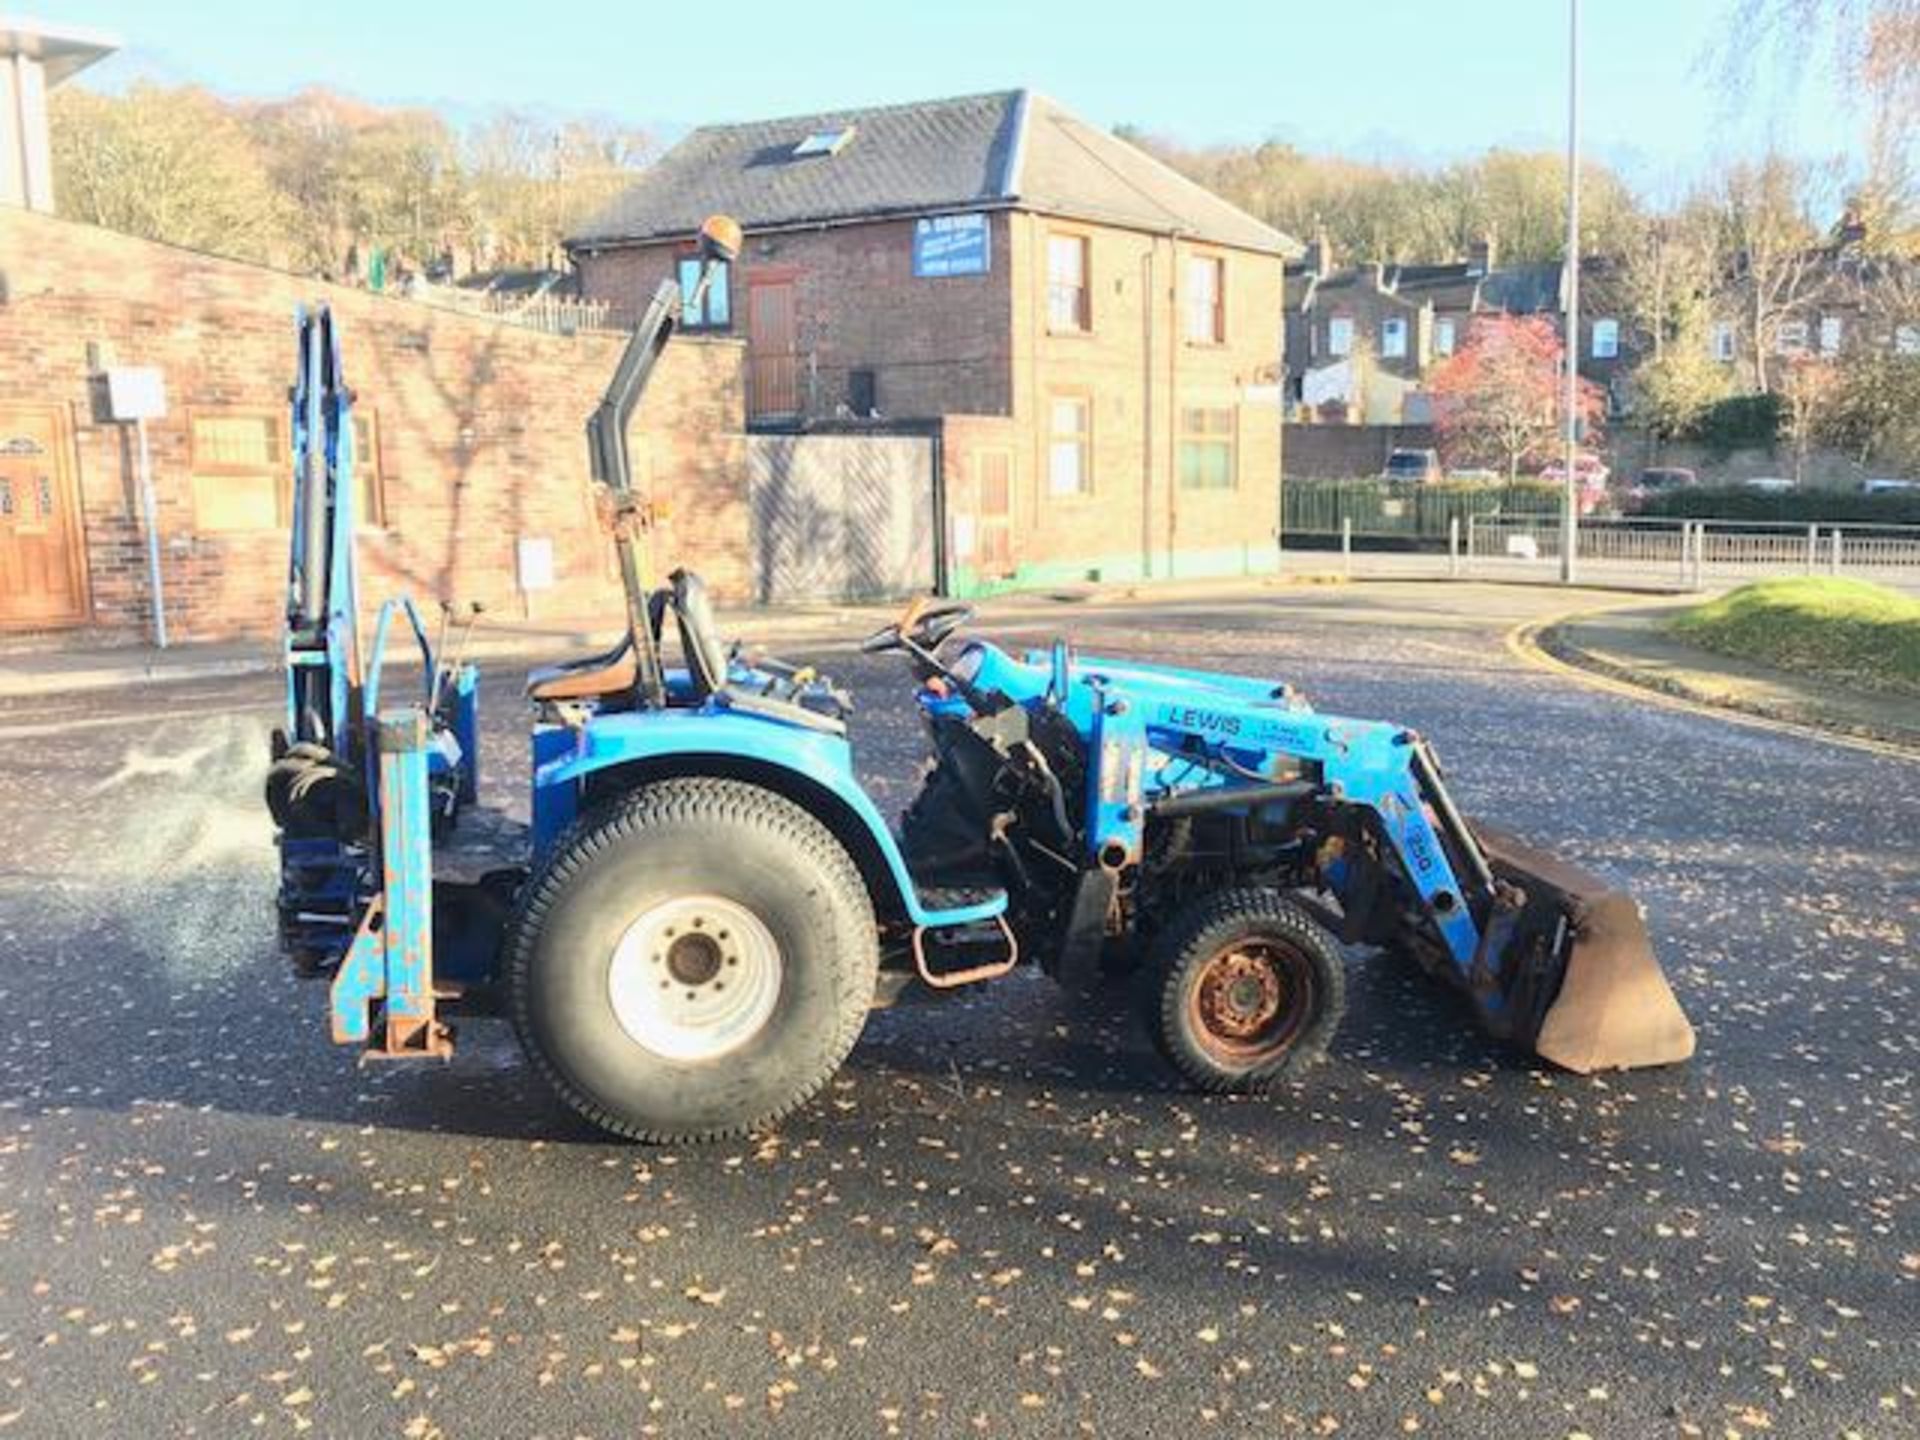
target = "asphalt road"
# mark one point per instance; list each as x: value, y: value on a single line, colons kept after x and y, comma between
x: 1004, y: 1216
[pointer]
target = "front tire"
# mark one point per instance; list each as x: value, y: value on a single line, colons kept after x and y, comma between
x: 693, y: 962
x: 1247, y: 988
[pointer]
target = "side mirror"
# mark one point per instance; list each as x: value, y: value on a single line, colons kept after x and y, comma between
x: 720, y: 238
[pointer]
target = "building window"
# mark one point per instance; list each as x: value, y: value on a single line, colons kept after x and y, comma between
x: 1340, y: 336
x: 1830, y: 333
x: 1393, y: 338
x: 1206, y: 449
x: 1791, y: 338
x: 1069, y: 445
x: 1906, y: 340
x: 238, y: 461
x: 1206, y: 300
x: 1445, y: 337
x: 1722, y: 343
x: 1067, y: 308
x: 715, y: 311
x: 1606, y: 339
x: 241, y: 470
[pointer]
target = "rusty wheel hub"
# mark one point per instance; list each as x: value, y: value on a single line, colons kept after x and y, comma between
x: 1251, y: 999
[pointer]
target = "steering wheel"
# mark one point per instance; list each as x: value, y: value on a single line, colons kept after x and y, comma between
x: 925, y: 624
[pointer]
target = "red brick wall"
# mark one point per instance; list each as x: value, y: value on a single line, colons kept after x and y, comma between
x: 480, y: 428
x: 1139, y: 370
x: 938, y: 346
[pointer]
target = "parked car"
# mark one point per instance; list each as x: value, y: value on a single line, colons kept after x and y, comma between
x: 1591, y: 471
x: 1657, y: 480
x: 1770, y: 484
x: 1590, y: 474
x: 1887, y: 485
x: 1418, y: 465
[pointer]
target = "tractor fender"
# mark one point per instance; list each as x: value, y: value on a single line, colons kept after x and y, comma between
x: 813, y: 768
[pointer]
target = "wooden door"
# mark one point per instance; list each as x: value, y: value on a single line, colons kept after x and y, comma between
x: 773, y: 357
x: 993, y: 513
x: 42, y: 564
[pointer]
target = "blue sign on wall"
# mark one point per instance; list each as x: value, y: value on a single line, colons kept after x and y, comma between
x: 950, y: 245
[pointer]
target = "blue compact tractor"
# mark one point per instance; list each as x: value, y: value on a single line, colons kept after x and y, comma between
x: 690, y: 934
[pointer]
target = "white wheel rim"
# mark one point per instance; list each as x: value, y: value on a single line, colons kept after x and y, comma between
x: 694, y: 977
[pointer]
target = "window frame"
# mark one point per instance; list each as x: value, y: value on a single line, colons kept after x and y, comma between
x: 1081, y: 439
x: 722, y: 286
x: 1083, y: 306
x: 1610, y: 327
x: 368, y: 472
x: 1340, y: 352
x: 1399, y: 324
x: 1187, y: 438
x: 1214, y: 330
x: 1801, y: 345
x: 1445, y: 325
x: 1723, y: 343
x: 1835, y: 327
x: 277, y: 471
x: 1906, y: 339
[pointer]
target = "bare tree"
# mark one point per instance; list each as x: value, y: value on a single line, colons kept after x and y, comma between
x: 1766, y: 251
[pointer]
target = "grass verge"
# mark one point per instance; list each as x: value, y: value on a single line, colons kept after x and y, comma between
x: 1852, y: 632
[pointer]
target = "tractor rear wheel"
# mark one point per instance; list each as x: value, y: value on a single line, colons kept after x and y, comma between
x: 1245, y: 988
x: 694, y: 961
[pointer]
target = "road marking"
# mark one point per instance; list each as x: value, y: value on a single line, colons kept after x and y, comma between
x: 1522, y: 642
x: 103, y: 722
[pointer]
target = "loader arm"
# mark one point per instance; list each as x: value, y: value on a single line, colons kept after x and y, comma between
x: 1550, y: 956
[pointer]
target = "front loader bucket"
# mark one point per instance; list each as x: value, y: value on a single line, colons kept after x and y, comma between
x: 1575, y: 967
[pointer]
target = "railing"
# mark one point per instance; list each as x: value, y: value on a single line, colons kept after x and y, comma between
x: 1690, y: 550
x: 541, y: 310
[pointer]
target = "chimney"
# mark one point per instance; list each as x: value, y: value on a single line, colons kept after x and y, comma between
x: 1319, y: 255
x: 1482, y: 254
x: 1852, y: 231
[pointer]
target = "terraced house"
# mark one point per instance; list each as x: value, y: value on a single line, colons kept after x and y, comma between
x: 1092, y: 342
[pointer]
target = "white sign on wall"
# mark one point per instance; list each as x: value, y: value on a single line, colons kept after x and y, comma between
x: 136, y: 392
x: 536, y: 562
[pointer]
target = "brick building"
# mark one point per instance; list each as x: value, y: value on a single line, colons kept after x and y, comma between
x: 1093, y: 339
x: 1362, y: 339
x: 470, y: 442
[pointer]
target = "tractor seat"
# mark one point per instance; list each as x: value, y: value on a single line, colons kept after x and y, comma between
x: 709, y: 667
x: 592, y: 678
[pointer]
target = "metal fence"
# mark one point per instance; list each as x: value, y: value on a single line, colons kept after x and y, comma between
x: 1690, y: 551
x: 541, y: 310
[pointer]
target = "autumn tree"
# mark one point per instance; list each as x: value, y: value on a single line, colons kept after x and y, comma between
x: 1807, y: 390
x: 1498, y: 398
x: 533, y: 182
x: 172, y: 165
x: 1408, y: 213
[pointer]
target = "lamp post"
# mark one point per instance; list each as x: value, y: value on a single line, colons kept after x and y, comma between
x: 1569, y: 500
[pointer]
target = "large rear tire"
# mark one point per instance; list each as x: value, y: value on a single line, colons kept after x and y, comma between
x: 1246, y: 989
x: 693, y: 962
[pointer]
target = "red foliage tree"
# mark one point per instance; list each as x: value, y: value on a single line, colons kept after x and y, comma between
x: 1498, y: 397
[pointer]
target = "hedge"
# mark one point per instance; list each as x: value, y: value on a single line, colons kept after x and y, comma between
x: 1806, y: 507
x: 1739, y: 422
x: 1405, y: 507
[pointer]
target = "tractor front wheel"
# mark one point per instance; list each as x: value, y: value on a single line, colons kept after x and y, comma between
x: 694, y: 961
x: 1246, y: 988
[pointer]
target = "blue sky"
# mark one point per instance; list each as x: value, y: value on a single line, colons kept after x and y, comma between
x: 1423, y: 80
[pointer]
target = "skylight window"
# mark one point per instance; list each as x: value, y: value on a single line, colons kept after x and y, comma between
x: 824, y: 142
